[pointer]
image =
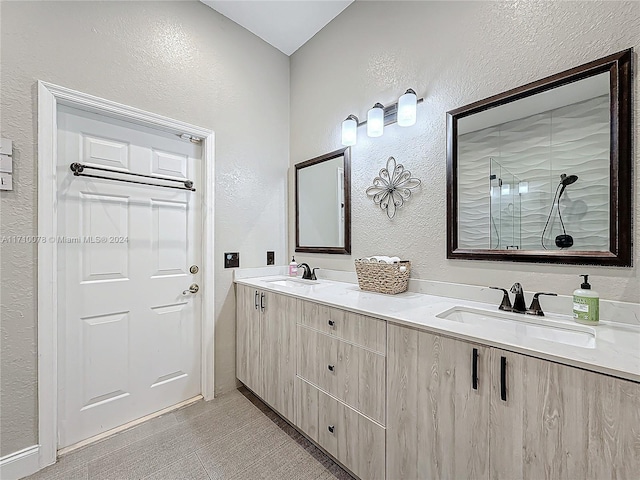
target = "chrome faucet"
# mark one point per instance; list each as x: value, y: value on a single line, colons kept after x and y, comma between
x: 308, y: 274
x: 519, y: 305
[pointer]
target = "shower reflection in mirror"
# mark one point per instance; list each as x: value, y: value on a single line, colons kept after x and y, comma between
x: 532, y: 162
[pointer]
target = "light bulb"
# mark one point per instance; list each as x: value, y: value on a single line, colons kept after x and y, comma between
x: 375, y: 120
x: 407, y: 106
x: 350, y: 130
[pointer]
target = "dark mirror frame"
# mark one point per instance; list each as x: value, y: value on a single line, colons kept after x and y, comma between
x: 621, y: 201
x: 346, y: 250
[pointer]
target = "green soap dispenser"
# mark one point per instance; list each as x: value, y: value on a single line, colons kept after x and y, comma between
x: 586, y: 303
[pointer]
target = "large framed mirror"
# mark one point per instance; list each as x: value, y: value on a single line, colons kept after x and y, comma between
x: 323, y: 203
x: 542, y: 173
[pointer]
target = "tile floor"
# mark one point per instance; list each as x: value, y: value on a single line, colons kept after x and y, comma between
x: 235, y: 436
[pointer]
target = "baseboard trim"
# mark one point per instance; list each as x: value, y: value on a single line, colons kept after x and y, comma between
x: 20, y: 464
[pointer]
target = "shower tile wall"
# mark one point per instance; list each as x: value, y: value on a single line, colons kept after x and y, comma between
x: 537, y: 149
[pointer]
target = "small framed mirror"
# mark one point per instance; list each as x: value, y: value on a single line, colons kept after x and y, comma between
x: 542, y: 173
x: 323, y: 204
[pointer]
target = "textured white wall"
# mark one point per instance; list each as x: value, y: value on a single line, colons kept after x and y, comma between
x: 452, y: 53
x: 179, y: 59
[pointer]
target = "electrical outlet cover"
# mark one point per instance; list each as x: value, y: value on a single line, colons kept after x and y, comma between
x: 271, y: 258
x: 231, y: 260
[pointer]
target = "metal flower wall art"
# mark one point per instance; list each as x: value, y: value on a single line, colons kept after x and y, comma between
x: 393, y: 187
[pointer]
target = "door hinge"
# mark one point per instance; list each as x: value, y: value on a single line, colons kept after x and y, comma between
x: 191, y: 138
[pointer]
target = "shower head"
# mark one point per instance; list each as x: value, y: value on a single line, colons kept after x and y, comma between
x: 564, y: 180
x: 564, y: 240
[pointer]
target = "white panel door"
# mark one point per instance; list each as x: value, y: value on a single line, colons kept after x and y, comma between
x: 129, y: 338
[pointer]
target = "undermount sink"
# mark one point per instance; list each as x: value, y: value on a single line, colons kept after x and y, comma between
x: 292, y: 282
x: 524, y: 325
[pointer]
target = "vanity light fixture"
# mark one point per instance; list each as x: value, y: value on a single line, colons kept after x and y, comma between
x: 407, y: 108
x: 404, y: 113
x: 375, y: 120
x: 350, y: 131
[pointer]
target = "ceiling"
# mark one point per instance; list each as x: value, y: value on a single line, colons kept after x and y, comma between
x: 287, y: 25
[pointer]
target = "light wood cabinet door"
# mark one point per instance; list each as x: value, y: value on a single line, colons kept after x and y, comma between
x: 437, y: 422
x: 551, y: 421
x: 248, y: 319
x: 277, y: 351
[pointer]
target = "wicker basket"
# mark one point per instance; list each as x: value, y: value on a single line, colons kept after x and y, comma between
x: 383, y: 277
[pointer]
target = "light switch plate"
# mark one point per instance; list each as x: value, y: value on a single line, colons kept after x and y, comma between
x: 6, y: 181
x: 6, y: 164
x: 6, y: 146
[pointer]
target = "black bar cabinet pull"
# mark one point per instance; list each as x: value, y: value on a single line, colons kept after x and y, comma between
x: 474, y: 373
x: 262, y: 302
x: 503, y: 378
x: 255, y: 300
x: 331, y: 428
x: 331, y: 367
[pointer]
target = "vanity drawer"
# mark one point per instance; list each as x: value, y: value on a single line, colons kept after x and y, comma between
x: 321, y: 317
x: 353, y: 327
x: 351, y: 373
x: 306, y: 408
x: 357, y: 442
x: 317, y: 358
x: 354, y: 440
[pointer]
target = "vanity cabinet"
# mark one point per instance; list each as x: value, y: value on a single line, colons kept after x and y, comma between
x: 527, y: 418
x: 437, y: 414
x: 265, y: 346
x: 561, y: 422
x: 340, y: 386
x: 248, y: 316
x: 396, y: 402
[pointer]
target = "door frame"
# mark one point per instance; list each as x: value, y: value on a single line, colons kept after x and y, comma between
x: 51, y: 96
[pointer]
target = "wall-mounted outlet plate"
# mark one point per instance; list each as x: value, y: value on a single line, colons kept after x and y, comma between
x: 271, y: 258
x: 231, y: 260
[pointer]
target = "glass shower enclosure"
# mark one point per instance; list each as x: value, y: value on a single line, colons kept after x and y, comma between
x: 505, y: 194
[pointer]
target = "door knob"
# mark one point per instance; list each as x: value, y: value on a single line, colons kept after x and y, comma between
x: 193, y: 288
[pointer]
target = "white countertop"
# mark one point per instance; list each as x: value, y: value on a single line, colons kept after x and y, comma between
x: 616, y: 351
